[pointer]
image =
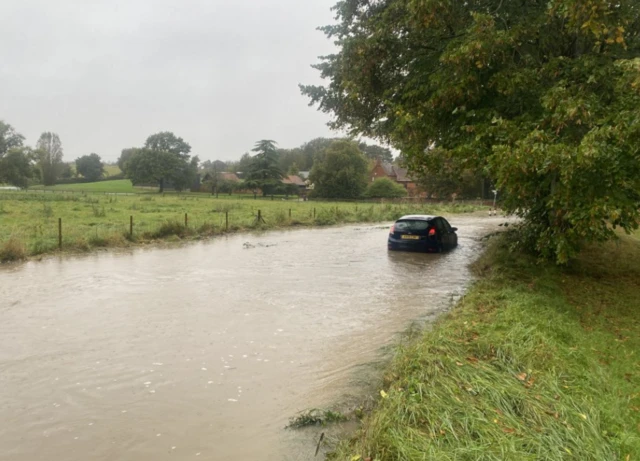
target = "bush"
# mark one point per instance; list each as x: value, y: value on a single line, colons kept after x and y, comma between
x: 385, y: 188
x: 12, y: 250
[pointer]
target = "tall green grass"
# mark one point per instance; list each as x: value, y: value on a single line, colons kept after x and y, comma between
x: 535, y: 363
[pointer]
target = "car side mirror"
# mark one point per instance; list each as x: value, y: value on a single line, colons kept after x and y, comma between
x: 454, y: 229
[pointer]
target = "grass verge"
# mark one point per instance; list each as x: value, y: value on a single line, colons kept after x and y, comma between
x: 535, y: 363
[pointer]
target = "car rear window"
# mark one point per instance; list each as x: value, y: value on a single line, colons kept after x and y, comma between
x: 411, y: 226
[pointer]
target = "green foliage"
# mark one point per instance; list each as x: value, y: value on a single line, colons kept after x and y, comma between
x: 16, y: 167
x: 90, y: 166
x: 9, y: 138
x: 339, y: 171
x: 536, y: 362
x: 165, y: 158
x: 148, y: 166
x: 541, y: 97
x: 385, y: 188
x: 166, y: 141
x: 49, y: 155
x: 374, y: 152
x: 67, y: 171
x: 125, y: 155
x: 264, y: 171
x: 293, y: 169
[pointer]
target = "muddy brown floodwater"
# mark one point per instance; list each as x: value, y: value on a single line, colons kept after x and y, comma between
x: 205, y: 351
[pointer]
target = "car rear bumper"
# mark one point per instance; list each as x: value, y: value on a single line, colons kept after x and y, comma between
x: 412, y: 245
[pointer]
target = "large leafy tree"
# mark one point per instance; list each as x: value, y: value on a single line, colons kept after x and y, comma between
x: 125, y: 155
x: 17, y: 166
x: 49, y: 154
x: 541, y: 96
x: 9, y: 138
x: 90, y: 166
x: 164, y: 158
x: 375, y: 152
x: 166, y: 141
x: 264, y: 171
x: 148, y: 166
x: 339, y: 171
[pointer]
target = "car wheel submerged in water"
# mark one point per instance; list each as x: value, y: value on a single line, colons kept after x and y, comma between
x: 431, y: 234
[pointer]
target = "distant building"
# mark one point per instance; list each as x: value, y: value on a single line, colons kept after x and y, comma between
x: 395, y: 173
x: 223, y: 176
x: 296, y: 181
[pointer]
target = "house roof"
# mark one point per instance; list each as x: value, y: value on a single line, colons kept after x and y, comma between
x: 293, y: 179
x: 229, y: 177
x: 222, y: 175
x: 388, y: 169
x: 402, y: 175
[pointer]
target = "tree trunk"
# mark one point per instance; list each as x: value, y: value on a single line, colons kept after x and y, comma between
x: 161, y: 184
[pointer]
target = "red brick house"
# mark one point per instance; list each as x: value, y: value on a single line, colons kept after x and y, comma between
x: 395, y: 173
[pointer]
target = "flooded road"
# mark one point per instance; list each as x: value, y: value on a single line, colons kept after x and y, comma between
x: 205, y: 351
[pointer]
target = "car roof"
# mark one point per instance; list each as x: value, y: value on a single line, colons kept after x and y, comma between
x: 418, y: 217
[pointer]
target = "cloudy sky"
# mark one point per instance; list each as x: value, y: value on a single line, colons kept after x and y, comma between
x: 105, y: 74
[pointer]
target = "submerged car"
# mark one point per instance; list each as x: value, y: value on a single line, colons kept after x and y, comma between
x: 426, y: 233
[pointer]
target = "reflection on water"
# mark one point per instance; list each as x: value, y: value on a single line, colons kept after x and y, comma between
x: 205, y: 350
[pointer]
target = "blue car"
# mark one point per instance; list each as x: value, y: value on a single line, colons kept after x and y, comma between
x: 431, y: 234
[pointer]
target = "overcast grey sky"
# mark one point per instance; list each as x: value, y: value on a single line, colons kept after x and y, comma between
x: 105, y: 74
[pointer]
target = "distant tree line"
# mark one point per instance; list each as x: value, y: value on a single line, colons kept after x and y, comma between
x: 336, y: 167
x: 22, y: 165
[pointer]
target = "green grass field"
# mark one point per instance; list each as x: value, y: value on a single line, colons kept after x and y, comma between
x: 29, y: 220
x: 114, y: 186
x: 536, y: 363
x: 112, y: 170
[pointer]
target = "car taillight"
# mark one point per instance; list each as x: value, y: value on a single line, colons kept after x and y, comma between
x: 393, y: 229
x: 432, y: 232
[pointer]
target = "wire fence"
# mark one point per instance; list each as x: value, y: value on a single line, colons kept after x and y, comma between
x: 46, y: 222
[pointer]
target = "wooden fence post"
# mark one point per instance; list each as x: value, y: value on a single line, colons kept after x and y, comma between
x: 130, y: 226
x: 226, y: 220
x: 186, y: 220
x: 60, y: 233
x: 314, y: 213
x: 289, y: 213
